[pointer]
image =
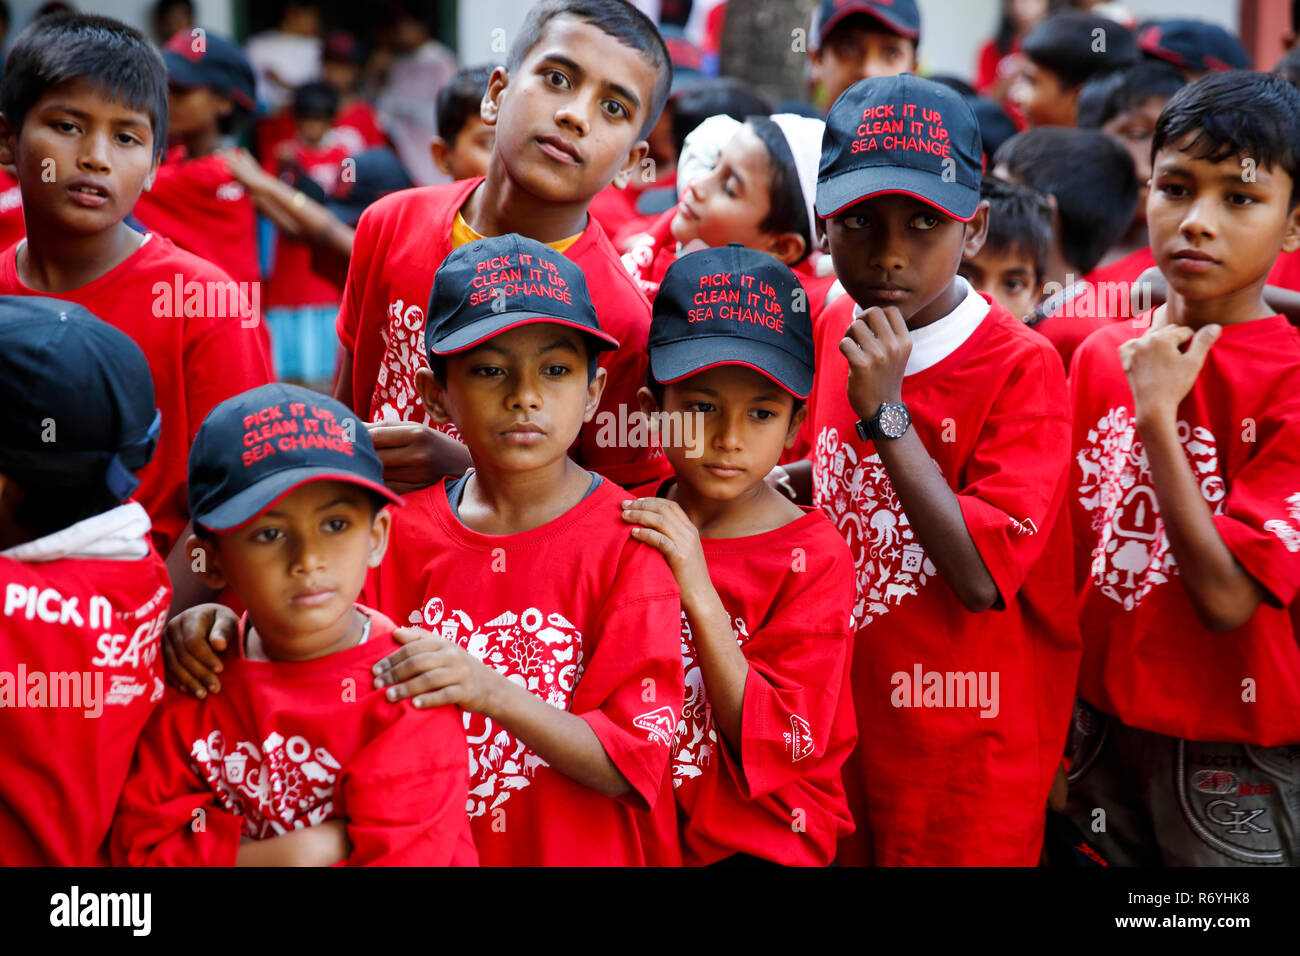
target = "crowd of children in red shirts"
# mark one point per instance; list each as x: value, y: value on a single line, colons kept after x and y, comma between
x: 891, y: 494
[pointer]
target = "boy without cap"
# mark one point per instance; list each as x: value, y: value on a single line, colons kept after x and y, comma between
x: 943, y: 465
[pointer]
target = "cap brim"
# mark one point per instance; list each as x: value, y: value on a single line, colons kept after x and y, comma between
x: 248, y: 504
x: 674, y: 361
x: 875, y: 13
x: 180, y: 71
x: 842, y: 190
x: 479, y: 332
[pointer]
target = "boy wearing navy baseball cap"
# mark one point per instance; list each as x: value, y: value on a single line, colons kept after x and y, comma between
x: 943, y: 465
x: 297, y: 761
x: 85, y: 593
x: 535, y: 609
x: 767, y: 586
x: 853, y: 40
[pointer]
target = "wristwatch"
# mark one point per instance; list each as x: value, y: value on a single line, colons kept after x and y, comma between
x: 891, y: 421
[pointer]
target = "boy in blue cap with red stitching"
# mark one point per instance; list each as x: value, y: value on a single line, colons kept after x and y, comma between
x: 943, y: 465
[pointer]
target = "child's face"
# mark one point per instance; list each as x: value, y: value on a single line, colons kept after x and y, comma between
x: 312, y: 129
x: 1042, y: 98
x: 568, y: 123
x: 299, y: 566
x: 1216, y: 228
x: 468, y: 156
x: 82, y: 158
x: 892, y: 249
x: 857, y: 51
x: 742, y: 422
x: 194, y: 110
x: 519, y: 399
x: 1133, y: 130
x: 1007, y: 275
x: 728, y: 203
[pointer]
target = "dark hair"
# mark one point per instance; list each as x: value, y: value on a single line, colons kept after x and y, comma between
x: 1063, y: 44
x: 158, y: 12
x: 1239, y: 113
x: 724, y: 95
x: 1020, y: 218
x: 657, y: 390
x: 69, y: 46
x: 1289, y: 66
x: 1106, y: 96
x: 787, y: 211
x: 458, y: 101
x: 315, y: 100
x: 622, y: 21
x: 1090, y: 175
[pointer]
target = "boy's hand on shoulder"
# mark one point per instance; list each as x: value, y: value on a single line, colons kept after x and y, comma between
x: 432, y: 671
x: 664, y: 526
x: 877, y: 346
x: 416, y: 456
x: 1159, y: 373
x: 192, y: 644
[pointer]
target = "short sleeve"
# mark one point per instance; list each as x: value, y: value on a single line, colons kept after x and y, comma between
x: 363, y: 244
x: 631, y: 693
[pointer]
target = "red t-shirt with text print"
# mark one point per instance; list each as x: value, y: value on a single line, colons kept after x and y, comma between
x: 401, y: 241
x: 580, y: 614
x: 950, y: 767
x: 1147, y: 658
x: 292, y: 744
x: 202, y: 344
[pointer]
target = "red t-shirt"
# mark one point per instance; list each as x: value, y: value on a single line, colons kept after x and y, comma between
x: 1286, y: 271
x: 401, y: 241
x: 1104, y: 300
x: 198, y: 205
x: 967, y: 782
x: 287, y: 745
x: 196, y: 360
x: 597, y: 636
x: 293, y: 281
x: 357, y: 129
x: 84, y: 633
x: 615, y: 209
x: 12, y: 225
x: 789, y: 594
x: 1147, y: 658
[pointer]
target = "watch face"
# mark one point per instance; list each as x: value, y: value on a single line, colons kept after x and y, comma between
x: 894, y: 420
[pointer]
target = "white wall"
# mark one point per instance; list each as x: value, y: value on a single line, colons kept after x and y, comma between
x: 215, y: 15
x: 486, y: 28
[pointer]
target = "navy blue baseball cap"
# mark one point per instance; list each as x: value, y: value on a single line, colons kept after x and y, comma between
x: 255, y: 448
x: 1193, y: 45
x: 732, y: 306
x: 492, y: 285
x: 901, y: 134
x: 896, y: 16
x: 375, y: 174
x: 77, y: 395
x: 196, y: 59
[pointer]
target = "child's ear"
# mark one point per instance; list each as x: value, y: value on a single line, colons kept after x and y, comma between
x: 440, y: 149
x: 977, y: 230
x: 634, y: 158
x: 225, y: 104
x: 433, y: 395
x: 8, y: 142
x: 796, y: 420
x: 490, y: 107
x: 1291, y: 238
x: 646, y: 398
x: 594, y: 389
x: 789, y: 247
x: 205, y: 562
x: 819, y: 229
x: 379, y: 529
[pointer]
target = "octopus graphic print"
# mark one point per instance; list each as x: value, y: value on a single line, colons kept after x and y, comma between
x: 856, y: 494
x: 1132, y: 554
x: 540, y: 652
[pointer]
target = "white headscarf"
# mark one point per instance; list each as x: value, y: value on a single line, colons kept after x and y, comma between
x: 804, y: 134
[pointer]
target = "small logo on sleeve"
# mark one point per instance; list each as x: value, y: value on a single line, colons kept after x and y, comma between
x: 800, y: 738
x: 660, y: 725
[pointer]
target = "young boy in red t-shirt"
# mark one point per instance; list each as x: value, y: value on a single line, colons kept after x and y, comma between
x: 855, y: 40
x: 85, y: 594
x: 1186, y: 507
x: 967, y: 648
x: 767, y: 586
x: 299, y: 760
x: 84, y: 150
x: 557, y: 632
x: 584, y: 83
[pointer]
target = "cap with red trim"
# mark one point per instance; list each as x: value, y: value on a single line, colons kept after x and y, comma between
x: 732, y: 306
x: 197, y: 58
x: 1193, y: 45
x: 897, y: 16
x: 901, y: 134
x: 256, y: 447
x: 492, y: 285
